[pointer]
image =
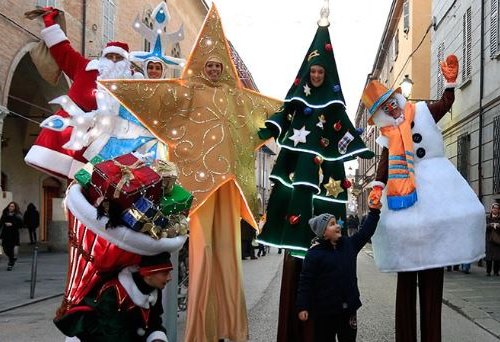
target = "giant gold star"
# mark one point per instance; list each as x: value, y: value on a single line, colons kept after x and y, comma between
x: 209, y: 127
x: 333, y: 188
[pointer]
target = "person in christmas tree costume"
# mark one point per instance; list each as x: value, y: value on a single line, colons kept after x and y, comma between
x: 418, y: 235
x: 125, y: 308
x: 316, y: 138
x: 210, y: 122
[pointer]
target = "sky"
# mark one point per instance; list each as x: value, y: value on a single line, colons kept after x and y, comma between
x: 273, y: 36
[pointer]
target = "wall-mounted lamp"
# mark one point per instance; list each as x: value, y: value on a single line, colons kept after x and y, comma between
x: 406, y: 86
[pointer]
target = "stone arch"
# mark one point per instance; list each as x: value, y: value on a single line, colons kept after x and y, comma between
x: 13, y: 65
x: 26, y: 94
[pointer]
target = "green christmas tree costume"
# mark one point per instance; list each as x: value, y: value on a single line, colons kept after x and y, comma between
x: 316, y: 138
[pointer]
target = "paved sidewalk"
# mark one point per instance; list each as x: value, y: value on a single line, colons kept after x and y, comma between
x: 474, y: 295
x: 50, y: 279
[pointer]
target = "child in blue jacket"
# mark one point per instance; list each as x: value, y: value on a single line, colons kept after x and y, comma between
x: 328, y: 286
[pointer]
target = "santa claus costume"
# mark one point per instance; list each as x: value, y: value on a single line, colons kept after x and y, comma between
x: 55, y: 150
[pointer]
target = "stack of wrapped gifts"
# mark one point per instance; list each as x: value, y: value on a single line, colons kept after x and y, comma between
x: 141, y: 196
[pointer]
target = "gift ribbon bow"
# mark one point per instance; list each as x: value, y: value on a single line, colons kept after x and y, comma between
x: 126, y: 175
x: 164, y: 168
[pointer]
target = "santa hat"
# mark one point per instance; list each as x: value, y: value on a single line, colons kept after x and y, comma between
x: 116, y: 47
x: 155, y: 263
x: 374, y: 95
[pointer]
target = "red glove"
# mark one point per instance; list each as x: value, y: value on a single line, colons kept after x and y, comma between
x: 449, y: 68
x: 374, y: 197
x: 50, y: 14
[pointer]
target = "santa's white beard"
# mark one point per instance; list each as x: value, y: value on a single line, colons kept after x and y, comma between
x: 111, y: 70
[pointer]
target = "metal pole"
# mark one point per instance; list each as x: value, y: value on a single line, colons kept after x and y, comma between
x: 169, y: 300
x: 34, y: 266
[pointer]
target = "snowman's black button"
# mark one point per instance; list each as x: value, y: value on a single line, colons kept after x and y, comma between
x: 420, y: 152
x: 412, y: 124
x: 417, y: 137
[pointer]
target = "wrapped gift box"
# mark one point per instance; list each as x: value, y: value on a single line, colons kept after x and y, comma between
x: 168, y: 172
x: 84, y: 176
x: 123, y: 180
x: 178, y: 201
x: 144, y: 216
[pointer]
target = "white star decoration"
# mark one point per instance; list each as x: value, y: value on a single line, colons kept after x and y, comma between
x: 307, y: 90
x: 299, y: 135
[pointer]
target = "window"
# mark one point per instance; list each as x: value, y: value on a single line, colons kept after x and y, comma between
x: 395, y: 46
x: 467, y: 45
x: 440, y: 77
x: 406, y: 17
x: 108, y: 11
x: 148, y: 21
x: 46, y: 3
x: 463, y: 149
x: 496, y: 155
x: 494, y: 38
x: 176, y: 52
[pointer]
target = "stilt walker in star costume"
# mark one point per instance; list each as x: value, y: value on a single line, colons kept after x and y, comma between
x: 210, y: 123
x: 417, y: 235
x: 316, y: 138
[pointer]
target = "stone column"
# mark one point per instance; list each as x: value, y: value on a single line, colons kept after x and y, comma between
x: 3, y: 113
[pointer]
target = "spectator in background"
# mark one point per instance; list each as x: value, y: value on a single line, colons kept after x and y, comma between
x: 493, y: 240
x: 10, y: 223
x: 31, y: 221
x: 247, y: 235
x: 352, y: 224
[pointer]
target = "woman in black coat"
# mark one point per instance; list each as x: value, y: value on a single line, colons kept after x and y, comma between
x: 10, y: 223
x: 31, y: 221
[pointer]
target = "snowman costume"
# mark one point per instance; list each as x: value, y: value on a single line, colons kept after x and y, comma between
x: 444, y: 226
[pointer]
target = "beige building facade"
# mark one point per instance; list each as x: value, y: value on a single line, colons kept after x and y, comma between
x: 470, y: 30
x: 403, y: 51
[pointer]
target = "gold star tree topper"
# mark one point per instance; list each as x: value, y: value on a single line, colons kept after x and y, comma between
x: 333, y: 187
x: 210, y: 127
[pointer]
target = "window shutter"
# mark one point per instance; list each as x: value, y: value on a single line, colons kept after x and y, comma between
x: 440, y: 77
x: 463, y: 150
x: 406, y: 14
x: 496, y: 155
x: 494, y: 28
x: 466, y: 44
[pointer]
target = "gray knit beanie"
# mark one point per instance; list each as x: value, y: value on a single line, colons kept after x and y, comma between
x: 318, y: 224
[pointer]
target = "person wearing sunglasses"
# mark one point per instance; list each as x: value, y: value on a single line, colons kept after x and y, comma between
x: 416, y: 237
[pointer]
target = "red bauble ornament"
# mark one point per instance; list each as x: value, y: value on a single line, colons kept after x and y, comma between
x: 324, y: 142
x: 294, y: 219
x: 296, y: 82
x: 346, y: 183
x: 337, y: 126
x: 318, y: 160
x: 328, y: 47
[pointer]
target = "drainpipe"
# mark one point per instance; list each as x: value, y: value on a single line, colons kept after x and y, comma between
x: 84, y: 24
x: 481, y: 94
